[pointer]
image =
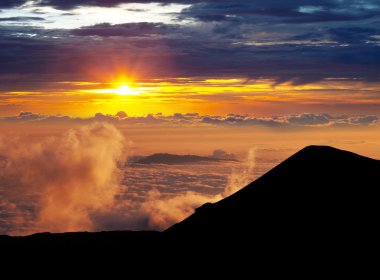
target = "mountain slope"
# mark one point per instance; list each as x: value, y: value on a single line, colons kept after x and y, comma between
x: 318, y: 192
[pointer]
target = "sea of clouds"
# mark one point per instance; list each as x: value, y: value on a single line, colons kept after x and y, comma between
x: 81, y: 181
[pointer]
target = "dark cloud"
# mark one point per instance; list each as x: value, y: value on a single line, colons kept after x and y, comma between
x: 11, y: 3
x: 140, y: 29
x: 350, y: 35
x: 70, y: 4
x: 21, y: 18
x: 295, y: 63
x: 221, y: 154
x: 136, y: 10
x: 248, y: 39
x: 301, y: 120
x: 309, y: 119
x: 297, y: 120
x: 25, y: 117
x: 28, y: 116
x: 43, y: 53
x: 39, y: 12
x: 363, y: 120
x: 31, y: 58
x: 296, y: 11
x: 285, y: 11
x: 69, y: 14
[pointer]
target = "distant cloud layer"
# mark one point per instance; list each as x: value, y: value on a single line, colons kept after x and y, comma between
x: 299, y: 120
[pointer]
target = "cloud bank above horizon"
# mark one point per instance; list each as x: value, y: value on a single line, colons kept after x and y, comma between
x: 294, y: 41
x: 323, y: 51
x: 305, y: 120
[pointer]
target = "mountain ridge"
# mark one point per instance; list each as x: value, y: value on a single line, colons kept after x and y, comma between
x: 320, y: 197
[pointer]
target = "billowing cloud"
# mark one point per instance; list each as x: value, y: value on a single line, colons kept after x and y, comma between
x: 163, y: 211
x: 242, y: 176
x: 70, y: 178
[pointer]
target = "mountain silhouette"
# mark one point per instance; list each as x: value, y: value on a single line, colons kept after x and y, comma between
x: 177, y: 159
x: 320, y: 194
x: 319, y: 198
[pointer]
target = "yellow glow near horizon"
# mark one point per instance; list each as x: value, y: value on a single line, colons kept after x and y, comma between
x: 203, y: 96
x: 125, y: 90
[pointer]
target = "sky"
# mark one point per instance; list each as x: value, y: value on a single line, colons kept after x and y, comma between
x: 86, y: 86
x: 80, y: 57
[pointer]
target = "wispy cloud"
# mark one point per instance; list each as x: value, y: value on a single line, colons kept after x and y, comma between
x: 20, y: 18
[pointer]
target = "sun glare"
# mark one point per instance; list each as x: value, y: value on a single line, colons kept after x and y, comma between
x: 124, y: 90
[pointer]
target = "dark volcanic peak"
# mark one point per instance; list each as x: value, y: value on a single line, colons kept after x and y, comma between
x: 177, y: 159
x: 319, y: 189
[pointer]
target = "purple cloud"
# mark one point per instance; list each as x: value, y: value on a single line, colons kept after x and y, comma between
x: 300, y: 120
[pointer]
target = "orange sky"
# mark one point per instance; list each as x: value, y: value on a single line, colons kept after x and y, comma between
x: 185, y: 95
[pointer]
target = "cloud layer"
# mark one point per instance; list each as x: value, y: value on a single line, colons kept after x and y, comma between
x: 299, y: 120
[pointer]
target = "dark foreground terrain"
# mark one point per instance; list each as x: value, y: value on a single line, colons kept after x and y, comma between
x: 320, y: 200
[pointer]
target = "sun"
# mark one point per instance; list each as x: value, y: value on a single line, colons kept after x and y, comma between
x: 124, y: 90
